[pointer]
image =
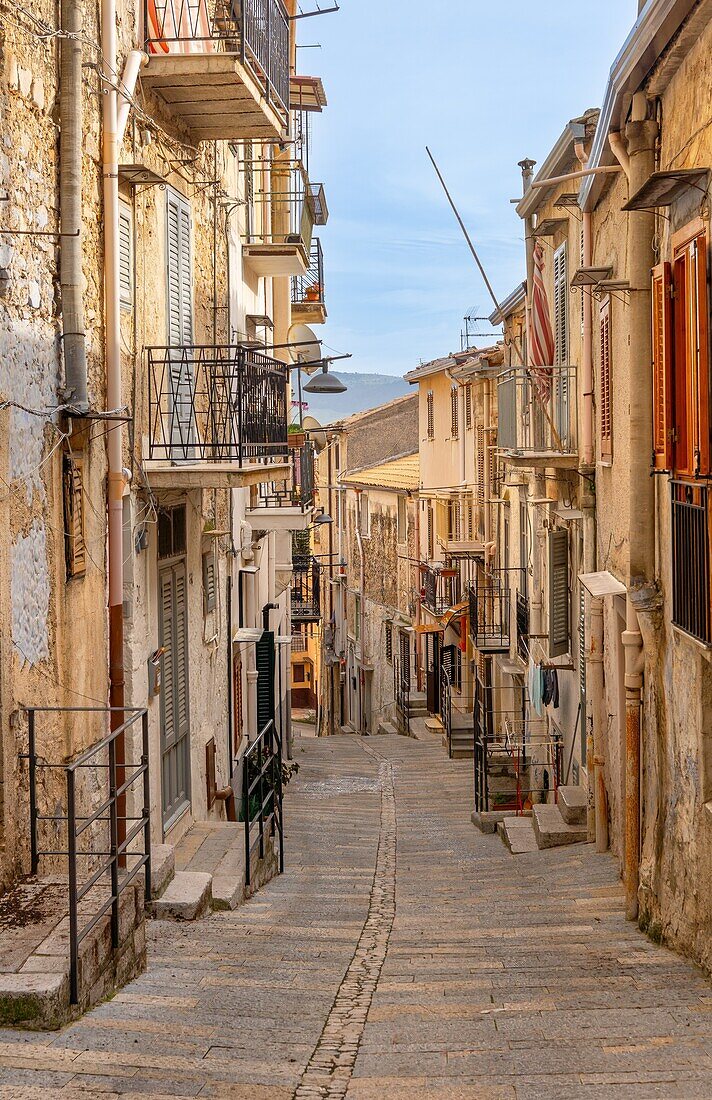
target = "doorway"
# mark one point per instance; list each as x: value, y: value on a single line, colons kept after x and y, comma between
x: 175, y: 709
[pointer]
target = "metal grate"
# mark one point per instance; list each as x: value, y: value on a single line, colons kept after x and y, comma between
x: 691, y: 559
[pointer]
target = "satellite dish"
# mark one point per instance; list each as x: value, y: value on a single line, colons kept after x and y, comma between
x: 307, y: 351
x: 316, y: 432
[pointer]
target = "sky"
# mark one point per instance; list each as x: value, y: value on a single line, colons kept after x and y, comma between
x: 459, y: 76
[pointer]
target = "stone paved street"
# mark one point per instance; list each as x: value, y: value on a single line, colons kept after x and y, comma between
x: 402, y: 955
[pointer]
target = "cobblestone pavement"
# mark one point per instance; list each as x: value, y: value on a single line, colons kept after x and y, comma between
x: 402, y: 955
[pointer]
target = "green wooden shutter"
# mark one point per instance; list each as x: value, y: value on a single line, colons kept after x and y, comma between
x: 265, y: 661
x: 558, y: 593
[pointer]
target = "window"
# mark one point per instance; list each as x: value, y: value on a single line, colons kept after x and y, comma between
x: 299, y: 673
x: 389, y: 642
x: 454, y: 413
x: 364, y: 515
x: 431, y: 533
x: 561, y: 307
x: 453, y: 521
x: 337, y: 455
x: 681, y: 417
x: 357, y: 617
x: 73, y: 492
x: 179, y: 268
x: 558, y: 593
x: 430, y: 404
x: 402, y: 519
x: 470, y: 521
x: 605, y: 387
x: 481, y: 449
x: 209, y: 582
x: 125, y: 256
x: 171, y: 532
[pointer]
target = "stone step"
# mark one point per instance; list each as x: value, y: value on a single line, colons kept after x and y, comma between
x: 163, y: 867
x: 517, y: 834
x: 573, y: 805
x: 227, y: 893
x: 385, y: 727
x: 552, y: 831
x: 187, y: 897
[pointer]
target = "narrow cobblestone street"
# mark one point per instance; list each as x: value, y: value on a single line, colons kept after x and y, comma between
x: 403, y: 954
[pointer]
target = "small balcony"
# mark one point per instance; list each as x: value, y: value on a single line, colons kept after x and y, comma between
x: 691, y: 536
x: 217, y: 417
x: 490, y: 610
x: 306, y: 589
x: 222, y: 66
x: 308, y: 306
x: 440, y: 588
x: 537, y: 416
x: 279, y: 233
x: 286, y: 505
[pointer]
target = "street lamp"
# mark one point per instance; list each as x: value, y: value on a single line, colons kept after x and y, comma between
x: 325, y: 382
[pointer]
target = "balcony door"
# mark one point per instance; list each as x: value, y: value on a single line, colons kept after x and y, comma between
x: 179, y: 308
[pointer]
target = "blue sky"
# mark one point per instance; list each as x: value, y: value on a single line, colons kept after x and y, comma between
x: 456, y: 75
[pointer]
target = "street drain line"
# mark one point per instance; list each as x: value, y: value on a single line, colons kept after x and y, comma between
x: 330, y: 1067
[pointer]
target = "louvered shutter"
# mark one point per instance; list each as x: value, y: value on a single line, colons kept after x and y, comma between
x: 265, y: 662
x: 582, y: 669
x: 180, y: 324
x: 662, y: 367
x: 454, y: 413
x: 481, y: 454
x: 74, y: 541
x: 561, y: 301
x: 430, y: 415
x: 209, y: 582
x: 167, y: 627
x: 606, y: 417
x: 125, y: 256
x: 558, y: 593
x: 181, y: 651
x: 491, y: 459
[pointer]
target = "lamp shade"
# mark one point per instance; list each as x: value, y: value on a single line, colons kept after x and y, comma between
x: 325, y: 383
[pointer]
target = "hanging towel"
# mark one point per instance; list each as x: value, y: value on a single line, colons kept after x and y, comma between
x: 530, y: 678
x: 546, y: 690
x: 536, y: 692
x: 554, y: 688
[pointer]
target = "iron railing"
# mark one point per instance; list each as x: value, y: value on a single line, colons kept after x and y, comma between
x: 490, y: 608
x: 446, y: 706
x: 216, y: 403
x: 284, y: 205
x: 308, y: 290
x: 523, y: 626
x: 256, y: 30
x: 440, y: 588
x: 108, y: 829
x: 691, y: 535
x: 306, y: 589
x: 262, y: 795
x: 297, y: 493
x: 536, y: 411
x: 401, y: 692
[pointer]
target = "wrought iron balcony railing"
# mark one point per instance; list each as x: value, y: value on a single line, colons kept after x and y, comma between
x: 523, y: 625
x: 297, y: 493
x: 490, y: 612
x: 306, y: 589
x: 257, y: 31
x: 691, y: 559
x: 440, y: 588
x: 283, y: 205
x: 308, y: 289
x: 216, y: 403
x: 537, y: 412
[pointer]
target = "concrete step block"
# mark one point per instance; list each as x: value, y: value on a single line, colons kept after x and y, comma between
x: 187, y: 897
x: 163, y: 867
x: 517, y: 834
x: 552, y: 831
x: 228, y: 893
x: 573, y: 805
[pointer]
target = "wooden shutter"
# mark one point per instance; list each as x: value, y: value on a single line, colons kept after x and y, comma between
x: 454, y: 413
x: 389, y: 642
x: 125, y: 256
x: 209, y: 582
x: 558, y: 593
x: 606, y: 419
x: 265, y: 663
x: 481, y: 456
x: 468, y: 407
x: 181, y: 650
x: 662, y: 367
x: 179, y: 270
x: 73, y: 493
x: 431, y: 534
x: 430, y: 415
x: 561, y: 304
x: 211, y: 772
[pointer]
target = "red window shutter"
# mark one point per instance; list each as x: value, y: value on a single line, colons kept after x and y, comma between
x: 605, y: 394
x: 662, y: 367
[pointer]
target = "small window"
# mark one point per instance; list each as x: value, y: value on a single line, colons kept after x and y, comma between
x: 431, y: 415
x: 454, y: 413
x: 389, y: 642
x: 209, y: 582
x: 73, y: 491
x: 357, y: 617
x: 125, y: 256
x: 468, y: 407
x: 171, y: 532
x: 299, y: 673
x: 402, y: 519
x: 364, y: 515
x: 453, y: 521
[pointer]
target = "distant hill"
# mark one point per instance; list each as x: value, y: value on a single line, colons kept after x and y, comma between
x: 365, y: 391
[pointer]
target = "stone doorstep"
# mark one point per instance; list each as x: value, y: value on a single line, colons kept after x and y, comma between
x: 552, y: 831
x: 228, y: 893
x: 517, y: 834
x: 573, y: 805
x: 163, y: 867
x: 487, y: 821
x: 188, y: 896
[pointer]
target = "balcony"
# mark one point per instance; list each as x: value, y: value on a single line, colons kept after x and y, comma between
x: 691, y: 533
x: 279, y: 235
x: 222, y: 66
x: 308, y: 305
x: 440, y: 588
x: 537, y: 416
x: 286, y: 505
x: 523, y: 625
x: 306, y: 589
x: 490, y: 610
x: 217, y: 417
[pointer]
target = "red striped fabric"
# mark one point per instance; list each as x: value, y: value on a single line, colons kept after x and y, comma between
x: 542, y: 347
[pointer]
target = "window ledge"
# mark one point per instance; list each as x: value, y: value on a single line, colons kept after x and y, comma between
x: 703, y: 648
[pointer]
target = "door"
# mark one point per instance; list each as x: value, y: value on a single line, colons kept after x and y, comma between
x: 432, y: 669
x: 175, y: 712
x: 180, y: 404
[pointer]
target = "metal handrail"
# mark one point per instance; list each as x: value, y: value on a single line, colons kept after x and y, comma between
x: 446, y: 706
x: 490, y: 610
x: 77, y: 824
x: 401, y: 693
x: 297, y: 493
x: 262, y: 771
x: 440, y: 588
x: 306, y: 588
x: 537, y: 410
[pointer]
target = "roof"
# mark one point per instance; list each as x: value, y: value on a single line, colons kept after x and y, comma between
x: 558, y: 163
x: 399, y: 473
x: 511, y: 304
x: 456, y: 359
x: 349, y: 421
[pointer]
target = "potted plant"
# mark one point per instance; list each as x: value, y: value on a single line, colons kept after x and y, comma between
x: 313, y: 293
x: 296, y: 436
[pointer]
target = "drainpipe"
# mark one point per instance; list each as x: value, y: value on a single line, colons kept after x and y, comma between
x: 70, y: 205
x: 487, y: 417
x: 641, y: 134
x: 362, y: 621
x: 418, y: 648
x: 595, y: 689
x: 134, y: 63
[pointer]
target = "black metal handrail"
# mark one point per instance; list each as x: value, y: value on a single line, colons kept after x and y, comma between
x: 297, y: 493
x: 120, y: 778
x: 262, y: 794
x: 308, y: 289
x: 446, y: 706
x: 440, y: 588
x: 216, y: 403
x: 401, y: 692
x: 489, y: 602
x: 691, y: 558
x: 256, y: 30
x: 306, y: 589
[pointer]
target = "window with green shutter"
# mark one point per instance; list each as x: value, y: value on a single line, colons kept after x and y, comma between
x: 558, y: 593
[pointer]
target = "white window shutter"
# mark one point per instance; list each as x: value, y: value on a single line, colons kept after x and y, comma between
x: 125, y: 256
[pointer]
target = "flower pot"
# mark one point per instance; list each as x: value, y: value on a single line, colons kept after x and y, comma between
x: 313, y: 293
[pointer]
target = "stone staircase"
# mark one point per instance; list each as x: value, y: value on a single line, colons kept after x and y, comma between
x: 549, y: 826
x: 417, y: 705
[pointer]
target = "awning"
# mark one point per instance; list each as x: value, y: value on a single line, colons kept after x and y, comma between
x: 602, y: 584
x: 429, y: 628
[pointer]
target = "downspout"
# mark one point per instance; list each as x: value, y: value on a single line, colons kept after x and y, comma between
x: 70, y: 205
x: 362, y: 624
x: 641, y: 134
x: 595, y: 688
x: 487, y: 417
x: 135, y: 61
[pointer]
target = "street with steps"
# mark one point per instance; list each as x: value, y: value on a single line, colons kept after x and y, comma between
x: 403, y: 955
